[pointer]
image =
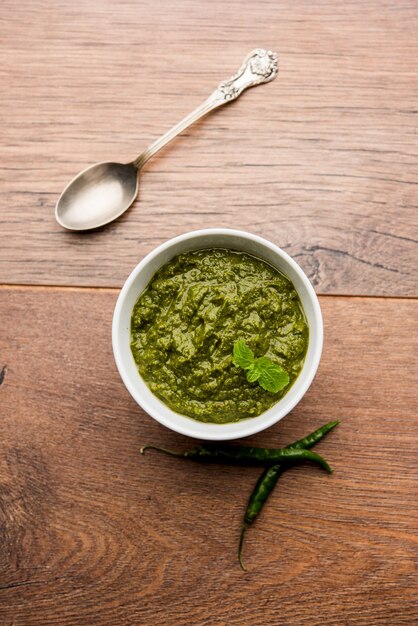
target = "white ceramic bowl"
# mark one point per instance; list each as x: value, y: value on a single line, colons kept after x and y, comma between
x: 139, y: 279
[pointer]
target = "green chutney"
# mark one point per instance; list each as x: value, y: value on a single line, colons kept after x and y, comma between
x: 184, y: 325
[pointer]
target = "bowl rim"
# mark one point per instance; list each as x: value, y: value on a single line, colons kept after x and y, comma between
x: 245, y: 427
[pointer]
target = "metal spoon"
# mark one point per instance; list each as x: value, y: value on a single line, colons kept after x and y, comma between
x: 102, y: 192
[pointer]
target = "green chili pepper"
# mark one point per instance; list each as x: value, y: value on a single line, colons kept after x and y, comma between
x: 268, y: 480
x: 212, y: 453
x: 313, y: 438
x: 261, y: 492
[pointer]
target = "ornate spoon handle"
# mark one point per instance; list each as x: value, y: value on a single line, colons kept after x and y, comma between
x: 260, y: 66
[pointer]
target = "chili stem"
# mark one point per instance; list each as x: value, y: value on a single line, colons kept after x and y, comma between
x: 241, y: 541
x: 169, y: 452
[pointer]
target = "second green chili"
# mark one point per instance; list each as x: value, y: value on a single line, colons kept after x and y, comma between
x: 269, y: 478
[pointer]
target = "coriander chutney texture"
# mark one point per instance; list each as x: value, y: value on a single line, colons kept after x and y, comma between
x: 184, y: 325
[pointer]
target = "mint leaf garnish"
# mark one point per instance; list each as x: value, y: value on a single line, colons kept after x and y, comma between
x: 256, y: 369
x: 253, y: 373
x: 242, y: 356
x: 269, y: 375
x: 273, y: 378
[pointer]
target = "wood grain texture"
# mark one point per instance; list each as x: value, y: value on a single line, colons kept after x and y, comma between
x: 323, y: 161
x: 93, y: 533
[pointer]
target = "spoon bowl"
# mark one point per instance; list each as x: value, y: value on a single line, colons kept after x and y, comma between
x: 98, y: 195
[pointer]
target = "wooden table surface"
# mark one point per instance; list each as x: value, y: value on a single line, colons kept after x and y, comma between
x: 323, y: 161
